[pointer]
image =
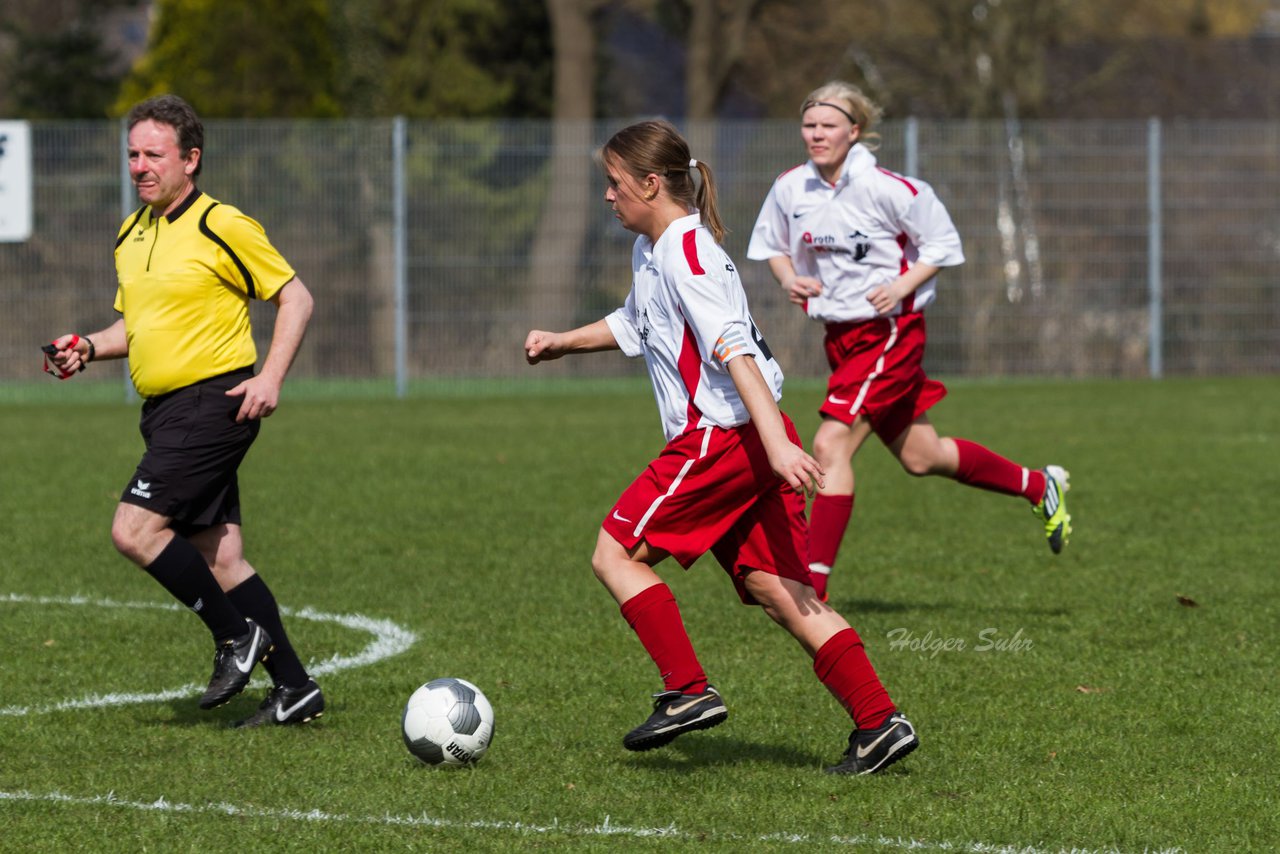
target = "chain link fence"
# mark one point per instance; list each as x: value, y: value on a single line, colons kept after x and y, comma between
x: 1105, y: 249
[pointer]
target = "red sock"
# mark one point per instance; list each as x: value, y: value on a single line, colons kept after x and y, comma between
x: 655, y: 618
x: 986, y: 469
x: 828, y: 521
x: 843, y: 667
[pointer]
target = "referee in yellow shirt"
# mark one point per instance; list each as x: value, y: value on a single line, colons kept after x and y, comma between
x: 187, y: 267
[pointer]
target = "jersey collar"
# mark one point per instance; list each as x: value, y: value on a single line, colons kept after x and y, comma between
x: 858, y: 162
x: 677, y: 227
x: 184, y: 206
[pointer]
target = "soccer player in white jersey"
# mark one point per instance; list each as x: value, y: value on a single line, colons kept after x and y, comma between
x: 732, y: 477
x: 858, y: 248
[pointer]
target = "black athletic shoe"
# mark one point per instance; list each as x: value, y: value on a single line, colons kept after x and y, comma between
x: 675, y: 713
x: 874, y: 750
x: 286, y: 705
x: 233, y: 661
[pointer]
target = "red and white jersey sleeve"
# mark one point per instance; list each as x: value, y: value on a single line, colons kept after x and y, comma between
x: 860, y: 233
x: 687, y: 315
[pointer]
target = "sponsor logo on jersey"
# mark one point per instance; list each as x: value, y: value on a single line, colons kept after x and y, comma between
x: 823, y: 242
x: 861, y: 245
x: 142, y: 489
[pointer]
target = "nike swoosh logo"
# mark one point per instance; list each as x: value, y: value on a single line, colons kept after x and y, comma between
x: 621, y: 518
x: 675, y: 710
x: 247, y: 665
x: 283, y: 712
x: 837, y: 400
x: 796, y: 215
x: 863, y: 751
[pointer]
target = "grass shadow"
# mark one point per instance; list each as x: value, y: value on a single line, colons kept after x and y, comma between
x: 185, y: 712
x: 688, y: 754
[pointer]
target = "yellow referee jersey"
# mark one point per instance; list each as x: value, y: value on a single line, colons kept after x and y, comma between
x: 185, y: 281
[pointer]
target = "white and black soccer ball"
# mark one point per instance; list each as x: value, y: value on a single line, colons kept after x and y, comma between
x: 448, y: 722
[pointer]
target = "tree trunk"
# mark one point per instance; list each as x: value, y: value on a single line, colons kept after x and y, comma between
x: 717, y: 35
x: 550, y: 298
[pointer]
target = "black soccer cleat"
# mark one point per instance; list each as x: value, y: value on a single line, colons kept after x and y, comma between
x: 233, y: 662
x: 675, y: 713
x: 874, y: 750
x: 286, y: 705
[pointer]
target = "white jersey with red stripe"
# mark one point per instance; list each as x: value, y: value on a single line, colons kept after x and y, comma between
x: 687, y: 315
x: 857, y: 234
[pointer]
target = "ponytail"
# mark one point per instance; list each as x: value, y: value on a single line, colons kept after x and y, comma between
x: 705, y: 201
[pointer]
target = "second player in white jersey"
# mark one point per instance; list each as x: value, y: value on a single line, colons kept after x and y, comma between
x: 862, y: 232
x: 687, y: 315
x: 859, y: 247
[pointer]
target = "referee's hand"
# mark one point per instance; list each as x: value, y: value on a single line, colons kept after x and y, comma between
x: 62, y: 358
x: 261, y: 397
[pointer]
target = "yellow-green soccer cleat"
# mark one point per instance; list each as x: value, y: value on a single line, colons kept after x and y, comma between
x: 1053, y: 507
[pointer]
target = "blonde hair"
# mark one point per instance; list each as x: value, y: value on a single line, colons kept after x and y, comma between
x: 657, y: 147
x: 851, y: 101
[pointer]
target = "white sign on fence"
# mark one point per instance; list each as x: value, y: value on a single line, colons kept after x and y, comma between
x: 15, y: 181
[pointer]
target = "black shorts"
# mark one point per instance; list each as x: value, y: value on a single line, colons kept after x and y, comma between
x: 194, y: 447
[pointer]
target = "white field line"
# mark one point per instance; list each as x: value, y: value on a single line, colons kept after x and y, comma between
x: 388, y: 639
x: 605, y: 828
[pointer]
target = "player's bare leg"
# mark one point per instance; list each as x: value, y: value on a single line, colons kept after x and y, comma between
x: 921, y: 451
x: 797, y: 608
x: 625, y: 572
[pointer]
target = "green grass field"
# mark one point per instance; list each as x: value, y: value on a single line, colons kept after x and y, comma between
x: 1130, y: 705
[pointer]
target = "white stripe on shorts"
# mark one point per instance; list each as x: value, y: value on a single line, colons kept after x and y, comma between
x: 675, y: 484
x: 879, y: 368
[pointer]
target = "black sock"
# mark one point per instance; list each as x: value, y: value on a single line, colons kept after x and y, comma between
x: 254, y: 599
x: 181, y: 569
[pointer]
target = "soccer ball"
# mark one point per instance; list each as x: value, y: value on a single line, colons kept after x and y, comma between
x: 447, y: 722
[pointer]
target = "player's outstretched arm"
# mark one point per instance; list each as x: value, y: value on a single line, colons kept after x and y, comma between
x: 540, y: 346
x: 788, y: 461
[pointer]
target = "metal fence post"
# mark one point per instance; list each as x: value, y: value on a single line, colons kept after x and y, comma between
x: 911, y: 142
x: 400, y: 243
x: 127, y: 201
x: 1154, y: 251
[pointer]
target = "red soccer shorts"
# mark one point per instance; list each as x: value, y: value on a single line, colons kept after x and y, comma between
x: 711, y: 489
x: 876, y: 372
